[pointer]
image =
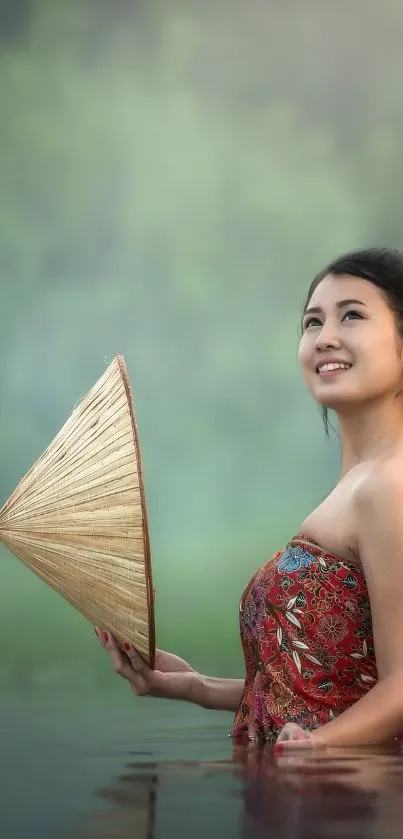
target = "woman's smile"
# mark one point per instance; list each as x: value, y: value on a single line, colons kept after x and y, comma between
x: 329, y: 369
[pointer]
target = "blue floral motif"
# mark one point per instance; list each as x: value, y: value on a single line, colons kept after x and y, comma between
x: 293, y: 559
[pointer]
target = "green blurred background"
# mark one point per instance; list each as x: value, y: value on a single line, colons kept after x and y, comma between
x: 172, y: 176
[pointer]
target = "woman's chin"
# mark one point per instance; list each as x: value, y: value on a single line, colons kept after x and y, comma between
x: 336, y: 400
x: 337, y: 403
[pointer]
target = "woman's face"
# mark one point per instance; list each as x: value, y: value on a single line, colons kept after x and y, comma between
x: 350, y: 351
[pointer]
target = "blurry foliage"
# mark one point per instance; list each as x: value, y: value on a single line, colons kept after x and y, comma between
x: 172, y: 175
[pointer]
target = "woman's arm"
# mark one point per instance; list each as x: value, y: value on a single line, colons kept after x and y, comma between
x: 374, y: 720
x: 377, y: 718
x: 172, y: 678
x: 219, y: 694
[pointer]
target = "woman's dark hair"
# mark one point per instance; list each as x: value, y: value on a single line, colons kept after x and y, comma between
x: 383, y: 267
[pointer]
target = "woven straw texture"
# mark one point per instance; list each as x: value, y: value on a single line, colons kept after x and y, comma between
x: 78, y: 518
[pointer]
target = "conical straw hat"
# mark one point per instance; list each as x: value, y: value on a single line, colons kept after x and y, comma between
x: 78, y: 518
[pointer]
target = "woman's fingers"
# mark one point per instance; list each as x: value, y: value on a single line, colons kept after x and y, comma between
x: 142, y: 675
x: 137, y: 662
x: 129, y: 665
x: 102, y: 636
x: 291, y: 731
x: 119, y: 661
x: 293, y: 737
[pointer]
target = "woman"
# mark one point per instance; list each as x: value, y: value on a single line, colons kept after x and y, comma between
x: 322, y: 622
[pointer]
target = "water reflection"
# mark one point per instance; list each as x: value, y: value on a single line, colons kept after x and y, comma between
x: 344, y: 794
x: 253, y: 794
x: 134, y: 797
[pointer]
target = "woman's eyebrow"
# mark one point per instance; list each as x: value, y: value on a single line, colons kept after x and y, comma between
x: 317, y: 309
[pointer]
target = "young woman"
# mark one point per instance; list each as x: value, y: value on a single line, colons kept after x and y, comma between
x: 322, y: 622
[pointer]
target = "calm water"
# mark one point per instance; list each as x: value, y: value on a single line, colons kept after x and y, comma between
x: 73, y: 768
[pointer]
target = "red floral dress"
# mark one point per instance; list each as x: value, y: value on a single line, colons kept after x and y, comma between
x: 306, y: 632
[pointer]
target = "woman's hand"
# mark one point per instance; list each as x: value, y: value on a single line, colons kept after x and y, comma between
x: 292, y: 736
x: 172, y: 678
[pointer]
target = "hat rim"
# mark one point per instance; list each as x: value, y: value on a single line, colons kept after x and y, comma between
x: 144, y: 516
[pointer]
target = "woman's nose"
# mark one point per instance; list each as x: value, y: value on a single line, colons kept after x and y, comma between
x: 328, y: 337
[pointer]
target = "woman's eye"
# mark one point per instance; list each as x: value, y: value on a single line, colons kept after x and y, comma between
x: 352, y: 313
x: 312, y: 322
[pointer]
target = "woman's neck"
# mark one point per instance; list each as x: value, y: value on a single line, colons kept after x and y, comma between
x: 370, y: 432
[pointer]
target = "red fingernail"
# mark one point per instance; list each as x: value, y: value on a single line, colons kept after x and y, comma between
x: 126, y: 645
x: 106, y: 637
x: 278, y: 748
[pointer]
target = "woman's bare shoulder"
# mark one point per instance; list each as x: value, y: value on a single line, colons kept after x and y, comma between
x: 380, y: 482
x: 378, y: 504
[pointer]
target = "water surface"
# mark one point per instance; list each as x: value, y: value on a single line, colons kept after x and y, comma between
x: 84, y: 769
